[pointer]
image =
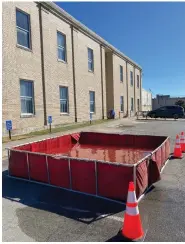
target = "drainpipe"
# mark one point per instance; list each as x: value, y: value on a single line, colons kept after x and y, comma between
x: 74, y: 77
x: 140, y: 85
x: 134, y: 91
x: 127, y: 87
x: 42, y: 64
x: 102, y: 81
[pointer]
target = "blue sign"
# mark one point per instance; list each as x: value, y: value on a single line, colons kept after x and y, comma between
x: 49, y: 119
x: 90, y: 116
x: 8, y: 124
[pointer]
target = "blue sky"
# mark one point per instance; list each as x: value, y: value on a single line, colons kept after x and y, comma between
x: 152, y: 34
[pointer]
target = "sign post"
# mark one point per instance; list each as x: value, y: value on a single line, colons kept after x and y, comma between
x: 9, y: 127
x: 50, y: 122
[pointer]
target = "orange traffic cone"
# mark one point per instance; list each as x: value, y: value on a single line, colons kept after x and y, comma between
x: 182, y: 141
x: 132, y: 227
x: 177, y: 150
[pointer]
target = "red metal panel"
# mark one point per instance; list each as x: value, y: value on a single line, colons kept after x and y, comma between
x: 113, y: 180
x: 38, y: 169
x: 83, y: 176
x: 167, y: 154
x: 158, y: 158
x: 163, y: 154
x: 59, y: 172
x: 141, y: 178
x: 18, y: 164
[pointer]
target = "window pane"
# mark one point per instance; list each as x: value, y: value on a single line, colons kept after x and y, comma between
x: 60, y: 39
x: 27, y: 105
x: 64, y: 93
x: 90, y: 54
x: 90, y: 66
x: 63, y: 106
x: 61, y: 54
x: 23, y: 38
x: 92, y: 94
x: 22, y: 20
x: 26, y: 88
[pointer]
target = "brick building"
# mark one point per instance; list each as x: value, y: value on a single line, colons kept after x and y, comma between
x: 54, y: 65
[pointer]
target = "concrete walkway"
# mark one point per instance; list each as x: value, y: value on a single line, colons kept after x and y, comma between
x: 111, y: 126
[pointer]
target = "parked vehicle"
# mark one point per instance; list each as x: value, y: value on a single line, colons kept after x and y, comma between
x: 167, y: 112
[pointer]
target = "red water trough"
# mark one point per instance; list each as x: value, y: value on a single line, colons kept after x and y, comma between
x: 98, y: 164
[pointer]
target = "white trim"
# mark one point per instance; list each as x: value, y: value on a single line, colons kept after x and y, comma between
x: 131, y: 198
x: 132, y: 210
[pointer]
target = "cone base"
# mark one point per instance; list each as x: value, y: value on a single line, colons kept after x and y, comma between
x: 132, y: 227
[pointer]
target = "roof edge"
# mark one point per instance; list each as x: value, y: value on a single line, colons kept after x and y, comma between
x: 52, y: 6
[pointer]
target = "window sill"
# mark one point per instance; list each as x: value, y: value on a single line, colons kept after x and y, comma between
x: 27, y: 115
x: 62, y: 61
x: 65, y: 114
x: 24, y: 48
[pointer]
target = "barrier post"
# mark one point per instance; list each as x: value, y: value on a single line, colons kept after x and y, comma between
x: 148, y: 162
x: 134, y: 175
x: 28, y: 166
x: 96, y: 177
x: 47, y: 169
x: 8, y: 162
x: 70, y: 179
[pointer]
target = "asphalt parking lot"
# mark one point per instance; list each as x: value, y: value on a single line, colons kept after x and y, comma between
x: 33, y: 212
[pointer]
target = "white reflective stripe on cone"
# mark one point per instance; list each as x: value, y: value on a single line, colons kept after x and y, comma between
x: 131, y: 198
x: 178, y: 141
x: 132, y: 210
x: 178, y: 146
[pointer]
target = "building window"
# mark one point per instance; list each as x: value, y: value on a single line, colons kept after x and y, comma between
x: 131, y: 78
x: 121, y: 73
x: 137, y: 81
x: 138, y: 104
x: 27, y: 97
x: 132, y: 104
x: 64, y: 100
x: 121, y: 104
x: 61, y: 43
x: 92, y: 101
x: 90, y: 60
x: 23, y: 29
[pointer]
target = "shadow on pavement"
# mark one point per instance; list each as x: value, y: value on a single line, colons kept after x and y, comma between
x: 86, y: 209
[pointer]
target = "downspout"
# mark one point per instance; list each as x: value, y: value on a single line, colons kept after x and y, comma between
x: 140, y: 85
x: 102, y: 81
x: 42, y: 64
x: 127, y: 86
x: 74, y: 77
x: 134, y: 91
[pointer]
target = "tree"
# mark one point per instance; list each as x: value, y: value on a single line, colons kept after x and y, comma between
x: 180, y: 103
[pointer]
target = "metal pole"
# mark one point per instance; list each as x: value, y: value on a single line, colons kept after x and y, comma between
x: 47, y: 169
x: 8, y: 162
x: 70, y: 178
x: 96, y: 176
x: 134, y: 176
x: 10, y: 134
x: 50, y: 127
x: 28, y: 166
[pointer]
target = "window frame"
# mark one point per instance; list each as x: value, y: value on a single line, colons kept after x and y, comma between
x: 122, y: 104
x: 62, y: 48
x: 17, y: 27
x: 60, y: 87
x: 131, y: 80
x: 138, y: 81
x: 93, y: 103
x: 33, y: 98
x: 121, y: 73
x: 90, y: 60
